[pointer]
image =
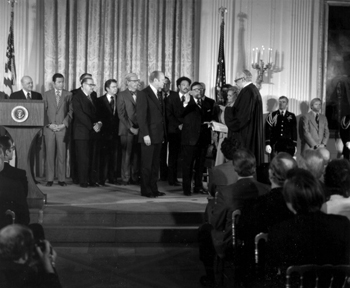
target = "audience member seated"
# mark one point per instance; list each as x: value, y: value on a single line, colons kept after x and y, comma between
x: 215, y: 238
x: 23, y: 263
x: 313, y: 162
x: 224, y: 174
x: 326, y: 155
x: 269, y: 209
x: 337, y: 181
x: 10, y: 171
x: 12, y: 195
x: 311, y: 237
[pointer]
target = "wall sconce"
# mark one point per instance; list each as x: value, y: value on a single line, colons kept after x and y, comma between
x: 258, y: 58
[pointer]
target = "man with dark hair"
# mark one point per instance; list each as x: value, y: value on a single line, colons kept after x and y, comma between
x: 195, y: 137
x: 85, y: 128
x: 106, y: 107
x: 280, y: 125
x: 314, y: 132
x: 174, y: 111
x: 245, y: 119
x: 151, y: 119
x: 129, y: 130
x: 59, y: 113
x: 17, y: 267
x: 13, y: 195
x: 228, y: 199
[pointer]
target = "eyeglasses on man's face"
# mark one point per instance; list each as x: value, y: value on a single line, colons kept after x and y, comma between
x: 91, y: 85
x: 198, y: 89
x: 236, y: 80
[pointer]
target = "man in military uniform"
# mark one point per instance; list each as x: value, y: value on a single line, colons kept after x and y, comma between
x: 280, y: 125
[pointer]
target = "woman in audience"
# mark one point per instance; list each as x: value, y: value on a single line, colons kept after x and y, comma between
x: 311, y: 237
x: 337, y: 181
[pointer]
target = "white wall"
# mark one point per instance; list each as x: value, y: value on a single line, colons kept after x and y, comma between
x: 290, y: 27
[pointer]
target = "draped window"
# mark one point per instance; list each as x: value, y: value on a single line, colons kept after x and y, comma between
x: 110, y: 38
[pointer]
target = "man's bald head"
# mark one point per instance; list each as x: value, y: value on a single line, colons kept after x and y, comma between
x: 279, y: 167
x: 27, y: 83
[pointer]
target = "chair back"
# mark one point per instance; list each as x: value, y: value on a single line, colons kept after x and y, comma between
x: 319, y: 275
x: 259, y: 237
x: 235, y: 218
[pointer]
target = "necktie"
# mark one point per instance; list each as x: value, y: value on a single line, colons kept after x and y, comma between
x: 282, y: 113
x: 29, y: 96
x: 317, y: 119
x: 134, y: 96
x: 112, y: 104
x: 58, y: 96
x: 89, y: 97
x: 199, y: 102
x: 183, y: 98
x: 159, y: 95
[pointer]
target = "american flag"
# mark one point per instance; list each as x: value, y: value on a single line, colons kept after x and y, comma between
x: 221, y: 71
x: 10, y: 68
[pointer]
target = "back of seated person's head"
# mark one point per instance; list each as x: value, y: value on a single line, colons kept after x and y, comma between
x: 244, y: 162
x: 285, y: 145
x: 279, y: 167
x: 325, y: 154
x: 2, y: 157
x: 302, y: 192
x: 16, y: 242
x: 6, y: 143
x: 313, y: 162
x: 228, y: 147
x: 337, y: 177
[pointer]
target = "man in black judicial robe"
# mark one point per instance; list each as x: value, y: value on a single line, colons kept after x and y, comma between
x: 245, y: 119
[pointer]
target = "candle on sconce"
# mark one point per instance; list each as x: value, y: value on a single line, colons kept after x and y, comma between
x: 256, y: 54
x: 253, y: 56
x: 262, y: 53
x: 270, y: 55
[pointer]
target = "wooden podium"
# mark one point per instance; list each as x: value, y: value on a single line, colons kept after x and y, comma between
x: 23, y: 120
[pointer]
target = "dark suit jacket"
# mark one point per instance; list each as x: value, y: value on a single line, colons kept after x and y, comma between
x: 20, y: 95
x: 220, y: 176
x: 84, y: 113
x: 312, y: 134
x: 192, y: 122
x: 150, y: 115
x: 108, y: 117
x: 314, y: 238
x: 174, y: 112
x: 16, y: 174
x: 126, y: 107
x: 13, y: 197
x: 280, y: 127
x: 229, y: 199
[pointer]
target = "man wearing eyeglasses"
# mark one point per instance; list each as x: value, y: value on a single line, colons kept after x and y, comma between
x: 245, y: 119
x: 85, y: 128
x: 195, y: 137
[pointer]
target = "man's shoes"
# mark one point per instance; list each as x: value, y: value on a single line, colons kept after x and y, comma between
x: 125, y: 183
x: 93, y: 184
x: 134, y: 182
x: 75, y: 181
x: 200, y: 191
x: 62, y: 183
x: 102, y: 183
x: 84, y: 185
x: 36, y: 181
x: 160, y: 193
x: 206, y: 281
x: 187, y: 193
x: 49, y: 183
x: 149, y: 196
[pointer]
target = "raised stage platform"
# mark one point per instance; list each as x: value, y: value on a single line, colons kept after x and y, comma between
x: 118, y: 214
x: 112, y: 237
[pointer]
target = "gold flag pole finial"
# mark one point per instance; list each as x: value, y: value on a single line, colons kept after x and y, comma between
x: 222, y: 11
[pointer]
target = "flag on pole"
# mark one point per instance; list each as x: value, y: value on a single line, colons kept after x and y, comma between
x: 221, y: 71
x: 10, y: 68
